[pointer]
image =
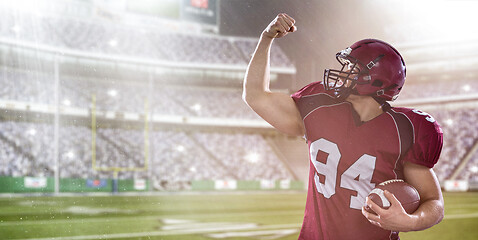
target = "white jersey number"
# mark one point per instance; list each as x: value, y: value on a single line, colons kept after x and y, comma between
x: 427, y: 116
x: 357, y: 177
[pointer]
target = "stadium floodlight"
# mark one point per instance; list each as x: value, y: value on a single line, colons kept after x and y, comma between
x: 196, y: 107
x: 70, y: 154
x: 112, y: 92
x: 474, y: 169
x: 252, y: 157
x: 32, y: 131
x: 16, y: 29
x: 449, y: 122
x: 113, y: 43
x: 66, y: 102
x: 180, y: 148
x: 466, y: 88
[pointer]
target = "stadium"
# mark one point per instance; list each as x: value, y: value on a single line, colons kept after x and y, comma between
x: 125, y: 119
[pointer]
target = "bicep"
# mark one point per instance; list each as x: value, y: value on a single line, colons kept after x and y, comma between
x: 431, y: 209
x: 279, y: 110
x: 424, y: 180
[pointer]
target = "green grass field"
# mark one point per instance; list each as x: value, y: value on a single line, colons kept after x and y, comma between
x: 251, y: 215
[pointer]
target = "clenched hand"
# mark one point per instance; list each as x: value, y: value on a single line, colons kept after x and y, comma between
x: 280, y: 26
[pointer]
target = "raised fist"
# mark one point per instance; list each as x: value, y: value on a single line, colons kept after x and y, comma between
x: 280, y: 26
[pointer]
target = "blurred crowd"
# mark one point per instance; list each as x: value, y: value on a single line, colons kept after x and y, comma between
x: 171, y: 156
x: 140, y: 41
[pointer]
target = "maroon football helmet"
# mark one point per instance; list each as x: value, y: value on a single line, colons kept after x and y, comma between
x: 369, y: 67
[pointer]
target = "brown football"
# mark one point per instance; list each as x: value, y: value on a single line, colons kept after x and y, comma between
x: 406, y: 194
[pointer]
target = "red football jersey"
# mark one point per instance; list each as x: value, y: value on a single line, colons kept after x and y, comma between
x: 349, y: 157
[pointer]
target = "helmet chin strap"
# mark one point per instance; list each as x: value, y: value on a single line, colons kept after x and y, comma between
x: 383, y: 103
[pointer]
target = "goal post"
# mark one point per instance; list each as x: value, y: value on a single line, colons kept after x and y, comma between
x: 116, y: 169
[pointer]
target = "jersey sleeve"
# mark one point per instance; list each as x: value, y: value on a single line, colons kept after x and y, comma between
x: 310, y: 97
x: 428, y: 139
x: 312, y: 88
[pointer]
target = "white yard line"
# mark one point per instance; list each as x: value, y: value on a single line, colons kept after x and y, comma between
x: 463, y: 205
x: 159, y: 217
x: 268, y: 234
x: 228, y: 227
x: 461, y: 216
x: 145, y: 218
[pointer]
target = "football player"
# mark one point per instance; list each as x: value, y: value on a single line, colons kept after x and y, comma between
x: 356, y: 139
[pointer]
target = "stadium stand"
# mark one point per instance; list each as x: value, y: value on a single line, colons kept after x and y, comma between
x: 28, y: 151
x: 247, y: 156
x: 202, y: 102
x: 123, y: 96
x: 108, y: 38
x: 176, y: 155
x: 460, y: 133
x: 470, y: 172
x: 429, y: 89
x: 26, y: 86
x: 278, y: 57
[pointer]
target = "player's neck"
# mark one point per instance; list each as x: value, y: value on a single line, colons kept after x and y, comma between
x: 366, y: 107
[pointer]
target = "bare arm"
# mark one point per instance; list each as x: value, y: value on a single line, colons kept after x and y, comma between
x: 430, y: 212
x: 276, y: 108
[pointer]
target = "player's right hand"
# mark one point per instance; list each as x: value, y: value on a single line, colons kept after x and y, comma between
x: 280, y: 26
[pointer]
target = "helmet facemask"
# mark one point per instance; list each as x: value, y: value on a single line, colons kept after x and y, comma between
x: 343, y: 81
